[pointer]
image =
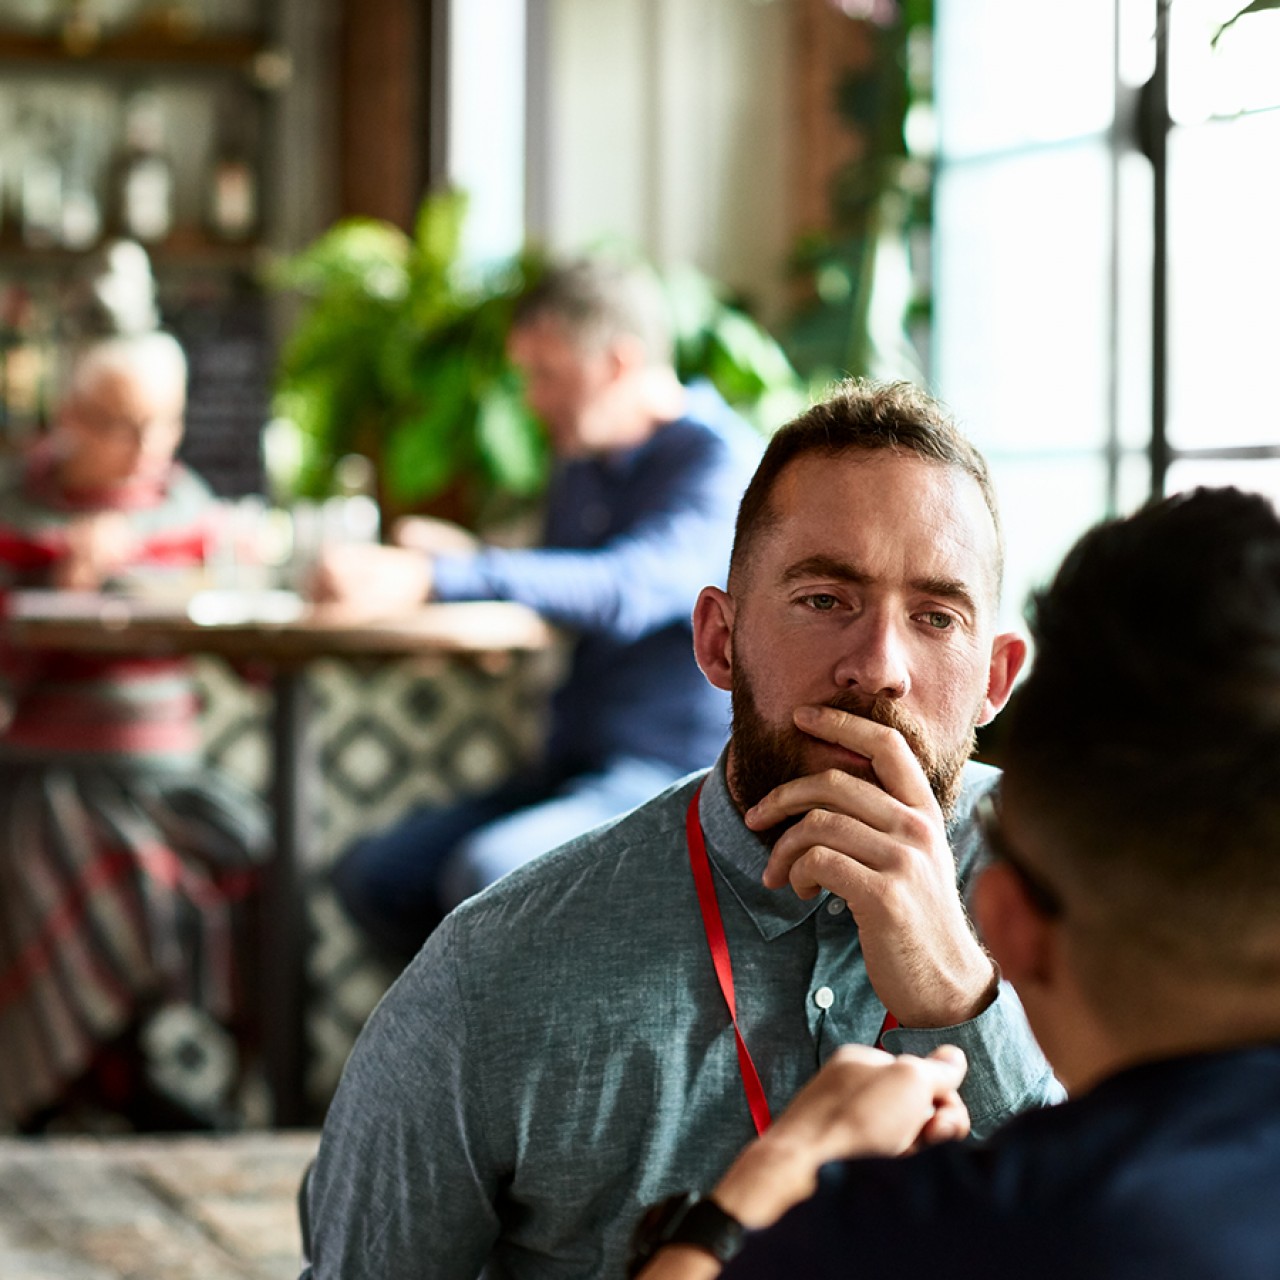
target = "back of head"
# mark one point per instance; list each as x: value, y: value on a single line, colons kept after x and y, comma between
x: 859, y: 416
x: 596, y: 301
x: 1147, y: 737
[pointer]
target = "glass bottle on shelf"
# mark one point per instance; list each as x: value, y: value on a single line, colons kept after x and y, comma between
x: 40, y: 183
x: 176, y: 20
x: 231, y: 196
x: 26, y: 355
x: 144, y: 174
x: 81, y: 220
x: 81, y: 27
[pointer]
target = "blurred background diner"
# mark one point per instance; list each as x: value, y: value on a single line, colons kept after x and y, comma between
x: 1061, y: 218
x: 124, y: 862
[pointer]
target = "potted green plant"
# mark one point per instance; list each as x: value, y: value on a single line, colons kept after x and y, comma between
x: 399, y: 354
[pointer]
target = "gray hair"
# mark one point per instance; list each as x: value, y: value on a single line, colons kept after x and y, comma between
x: 155, y: 358
x: 598, y: 300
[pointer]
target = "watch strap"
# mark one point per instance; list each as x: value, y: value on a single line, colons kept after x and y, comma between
x: 689, y: 1219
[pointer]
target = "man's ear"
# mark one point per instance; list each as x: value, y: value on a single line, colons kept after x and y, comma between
x: 626, y: 354
x: 713, y: 635
x: 1020, y: 938
x: 1008, y: 653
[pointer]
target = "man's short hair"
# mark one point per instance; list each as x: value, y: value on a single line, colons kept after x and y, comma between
x: 596, y: 301
x: 861, y: 417
x: 1146, y: 740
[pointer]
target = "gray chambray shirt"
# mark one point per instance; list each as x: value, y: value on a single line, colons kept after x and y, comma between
x: 559, y: 1054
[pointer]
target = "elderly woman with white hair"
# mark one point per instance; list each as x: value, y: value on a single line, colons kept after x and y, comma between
x: 121, y: 856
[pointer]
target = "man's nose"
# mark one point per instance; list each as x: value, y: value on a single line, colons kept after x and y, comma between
x: 875, y: 660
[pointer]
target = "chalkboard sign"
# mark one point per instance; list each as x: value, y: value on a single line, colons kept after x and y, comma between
x: 229, y: 390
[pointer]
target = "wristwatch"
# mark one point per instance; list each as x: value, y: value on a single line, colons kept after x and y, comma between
x: 685, y: 1218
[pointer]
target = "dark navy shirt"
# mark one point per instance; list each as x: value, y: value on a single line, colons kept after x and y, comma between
x: 632, y: 536
x: 1167, y: 1171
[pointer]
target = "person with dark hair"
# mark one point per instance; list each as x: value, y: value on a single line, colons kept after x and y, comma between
x: 121, y: 856
x: 1133, y: 901
x: 639, y: 516
x: 612, y: 1022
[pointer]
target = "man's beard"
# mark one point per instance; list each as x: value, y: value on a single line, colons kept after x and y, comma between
x: 765, y: 757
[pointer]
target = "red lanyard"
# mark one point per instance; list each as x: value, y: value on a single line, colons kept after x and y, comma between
x: 714, y: 926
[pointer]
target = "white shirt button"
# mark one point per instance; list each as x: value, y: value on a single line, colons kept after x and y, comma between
x: 835, y: 905
x: 824, y: 997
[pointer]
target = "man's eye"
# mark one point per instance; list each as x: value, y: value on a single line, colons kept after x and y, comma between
x: 939, y: 621
x: 822, y: 602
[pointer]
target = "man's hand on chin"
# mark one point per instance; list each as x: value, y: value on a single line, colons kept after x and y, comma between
x: 883, y: 849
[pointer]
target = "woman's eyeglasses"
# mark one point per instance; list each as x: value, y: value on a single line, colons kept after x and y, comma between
x: 1043, y: 896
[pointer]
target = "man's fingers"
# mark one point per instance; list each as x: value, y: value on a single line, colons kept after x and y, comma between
x: 953, y: 1054
x: 812, y: 868
x: 949, y: 1123
x: 899, y: 782
x: 896, y: 768
x: 865, y: 1100
x: 866, y: 1055
x: 874, y: 838
x: 831, y: 789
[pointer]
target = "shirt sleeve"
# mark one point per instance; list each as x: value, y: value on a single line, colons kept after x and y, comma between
x: 869, y: 1218
x: 646, y: 577
x: 1007, y: 1072
x: 404, y: 1174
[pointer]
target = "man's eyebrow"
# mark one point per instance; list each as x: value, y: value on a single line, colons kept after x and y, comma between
x: 845, y: 571
x: 825, y: 567
x: 946, y: 589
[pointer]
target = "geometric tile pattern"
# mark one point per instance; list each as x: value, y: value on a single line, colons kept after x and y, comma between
x: 385, y: 736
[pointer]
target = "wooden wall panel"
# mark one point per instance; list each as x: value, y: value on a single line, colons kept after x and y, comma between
x: 827, y: 44
x: 384, y: 69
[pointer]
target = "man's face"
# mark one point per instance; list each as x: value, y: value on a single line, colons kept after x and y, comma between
x: 872, y: 590
x: 121, y: 428
x: 575, y: 392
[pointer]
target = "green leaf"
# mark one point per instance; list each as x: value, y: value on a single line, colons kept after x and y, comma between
x: 752, y: 349
x: 1256, y: 7
x: 437, y: 233
x: 363, y: 255
x: 510, y: 441
x: 427, y: 445
x: 421, y: 458
x: 692, y: 301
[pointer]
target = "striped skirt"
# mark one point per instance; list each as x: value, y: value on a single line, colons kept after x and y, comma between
x: 117, y: 892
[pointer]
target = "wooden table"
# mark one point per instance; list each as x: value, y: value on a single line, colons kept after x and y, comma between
x: 152, y: 1208
x: 111, y: 625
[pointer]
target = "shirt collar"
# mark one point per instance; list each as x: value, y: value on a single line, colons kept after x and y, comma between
x: 739, y: 855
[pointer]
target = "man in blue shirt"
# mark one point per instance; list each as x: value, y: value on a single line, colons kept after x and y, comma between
x: 639, y: 517
x: 611, y: 1022
x: 1133, y: 902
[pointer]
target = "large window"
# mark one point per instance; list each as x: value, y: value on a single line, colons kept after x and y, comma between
x: 1108, y: 254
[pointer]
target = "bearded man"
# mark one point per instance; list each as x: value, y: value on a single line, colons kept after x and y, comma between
x: 611, y: 1023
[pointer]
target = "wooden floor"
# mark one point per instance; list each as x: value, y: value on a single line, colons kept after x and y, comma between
x: 185, y: 1208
